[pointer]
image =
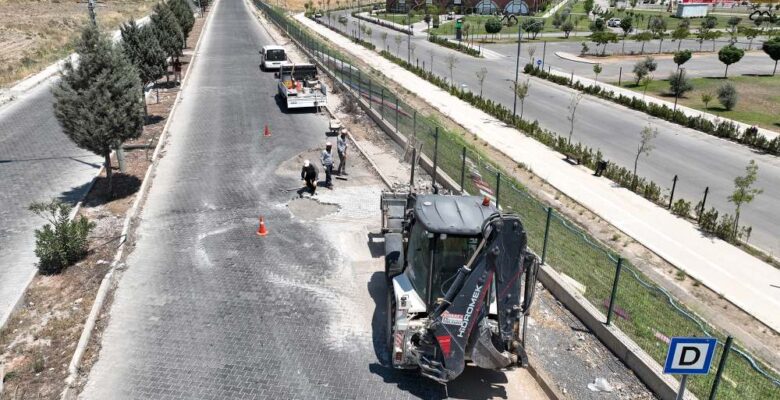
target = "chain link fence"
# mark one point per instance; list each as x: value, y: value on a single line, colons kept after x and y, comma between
x: 644, y: 311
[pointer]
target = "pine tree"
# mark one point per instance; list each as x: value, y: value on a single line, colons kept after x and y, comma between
x: 96, y: 101
x: 144, y: 52
x: 183, y: 13
x: 168, y: 31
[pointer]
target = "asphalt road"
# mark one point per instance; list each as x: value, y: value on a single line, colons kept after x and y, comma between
x: 37, y: 163
x: 698, y: 159
x: 207, y: 309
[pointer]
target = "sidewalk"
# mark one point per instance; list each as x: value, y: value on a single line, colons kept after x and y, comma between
x: 768, y: 134
x: 742, y: 279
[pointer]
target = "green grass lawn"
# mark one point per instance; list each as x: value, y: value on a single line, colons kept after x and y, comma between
x: 402, y: 19
x: 758, y: 104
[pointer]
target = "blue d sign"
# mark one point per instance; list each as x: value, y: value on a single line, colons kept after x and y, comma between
x: 690, y: 356
x: 538, y: 62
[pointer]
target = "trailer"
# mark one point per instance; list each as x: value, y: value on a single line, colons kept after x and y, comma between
x: 300, y: 87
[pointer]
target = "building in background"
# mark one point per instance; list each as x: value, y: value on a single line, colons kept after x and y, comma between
x: 484, y: 7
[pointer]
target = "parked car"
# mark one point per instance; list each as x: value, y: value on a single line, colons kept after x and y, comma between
x: 613, y: 22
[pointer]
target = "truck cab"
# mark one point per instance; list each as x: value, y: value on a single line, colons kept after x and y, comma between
x: 272, y: 57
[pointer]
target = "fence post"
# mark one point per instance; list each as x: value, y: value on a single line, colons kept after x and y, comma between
x: 614, y: 290
x: 620, y: 76
x: 414, y: 127
x: 382, y: 105
x: 435, y: 157
x: 703, y: 203
x: 350, y: 77
x: 396, y: 114
x: 463, y: 172
x: 370, y: 94
x: 721, y: 367
x: 546, y: 234
x: 671, y: 196
x: 498, y: 188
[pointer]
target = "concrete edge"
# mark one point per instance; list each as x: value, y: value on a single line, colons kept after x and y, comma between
x: 571, y: 57
x: 545, y: 381
x: 110, y: 278
x: 383, y: 23
x: 641, y: 363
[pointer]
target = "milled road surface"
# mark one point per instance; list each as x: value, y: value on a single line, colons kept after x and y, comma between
x: 37, y: 163
x: 698, y: 159
x: 208, y: 310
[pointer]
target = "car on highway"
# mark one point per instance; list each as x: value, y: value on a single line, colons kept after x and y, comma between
x: 613, y: 22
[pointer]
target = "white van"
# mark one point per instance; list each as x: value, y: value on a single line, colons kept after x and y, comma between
x: 272, y: 57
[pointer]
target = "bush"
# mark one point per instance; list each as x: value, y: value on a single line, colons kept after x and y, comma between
x: 725, y: 228
x: 708, y: 222
x: 682, y: 208
x: 679, y: 84
x: 727, y: 95
x: 493, y: 26
x: 61, y: 242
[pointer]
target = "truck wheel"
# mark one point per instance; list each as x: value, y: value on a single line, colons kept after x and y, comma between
x: 390, y: 324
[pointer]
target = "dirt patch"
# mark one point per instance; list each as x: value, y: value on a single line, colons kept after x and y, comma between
x: 33, y: 34
x: 40, y: 338
x: 309, y: 209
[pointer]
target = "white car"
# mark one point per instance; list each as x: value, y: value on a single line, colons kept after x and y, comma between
x: 614, y: 22
x: 272, y: 57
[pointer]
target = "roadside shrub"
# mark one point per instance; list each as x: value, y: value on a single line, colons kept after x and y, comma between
x: 679, y: 84
x: 454, y: 45
x: 725, y: 228
x: 682, y: 208
x: 708, y: 222
x: 61, y: 242
x: 750, y: 136
x: 493, y: 26
x: 727, y: 95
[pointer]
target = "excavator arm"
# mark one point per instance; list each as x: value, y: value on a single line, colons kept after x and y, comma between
x: 461, y: 326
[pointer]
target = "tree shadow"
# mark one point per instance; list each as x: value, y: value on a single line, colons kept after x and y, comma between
x: 153, y: 119
x: 123, y: 186
x: 758, y: 75
x: 716, y: 78
x: 166, y: 85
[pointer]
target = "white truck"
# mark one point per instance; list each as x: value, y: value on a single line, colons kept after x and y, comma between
x: 272, y: 57
x: 300, y: 87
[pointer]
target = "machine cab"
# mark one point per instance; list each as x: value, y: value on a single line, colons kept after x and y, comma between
x: 445, y: 233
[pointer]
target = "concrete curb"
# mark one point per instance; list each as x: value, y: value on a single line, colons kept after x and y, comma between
x: 643, y: 365
x: 571, y: 57
x: 110, y: 279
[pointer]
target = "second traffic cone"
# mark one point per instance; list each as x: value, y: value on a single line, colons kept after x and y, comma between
x: 266, y: 131
x: 261, y: 230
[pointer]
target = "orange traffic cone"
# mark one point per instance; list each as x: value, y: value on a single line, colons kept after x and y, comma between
x: 266, y: 131
x: 261, y: 231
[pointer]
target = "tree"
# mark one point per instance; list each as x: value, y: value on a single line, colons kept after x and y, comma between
x: 598, y: 25
x: 532, y: 27
x: 144, y: 52
x: 679, y: 84
x: 493, y: 26
x: 644, y: 67
x: 645, y: 82
x: 603, y: 38
x: 733, y: 22
x: 706, y: 98
x: 588, y: 6
x: 597, y: 70
x: 627, y: 25
x: 481, y: 75
x: 96, y: 101
x: 680, y: 33
x: 643, y: 37
x: 658, y: 27
x: 183, y: 13
x: 567, y: 27
x: 167, y: 30
x: 383, y: 35
x: 645, y: 147
x: 772, y: 48
x: 681, y: 57
x: 398, y: 39
x: 750, y: 33
x: 728, y: 96
x: 451, y: 62
x: 521, y: 91
x: 575, y: 102
x: 744, y: 192
x: 61, y: 242
x: 729, y: 55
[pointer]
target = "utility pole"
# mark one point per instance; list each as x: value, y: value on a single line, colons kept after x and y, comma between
x: 91, y: 8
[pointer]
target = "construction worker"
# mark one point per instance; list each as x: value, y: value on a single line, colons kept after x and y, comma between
x: 309, y: 175
x: 326, y: 157
x: 341, y: 148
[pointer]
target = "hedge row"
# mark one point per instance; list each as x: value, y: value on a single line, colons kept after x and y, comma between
x: 455, y: 46
x: 722, y: 129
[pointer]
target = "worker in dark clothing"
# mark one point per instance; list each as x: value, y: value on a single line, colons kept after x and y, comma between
x: 326, y: 157
x: 309, y: 175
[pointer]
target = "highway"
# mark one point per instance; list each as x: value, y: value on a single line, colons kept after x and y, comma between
x: 698, y: 159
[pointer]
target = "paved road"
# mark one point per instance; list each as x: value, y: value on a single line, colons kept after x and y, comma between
x: 208, y: 310
x: 37, y: 163
x: 699, y: 160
